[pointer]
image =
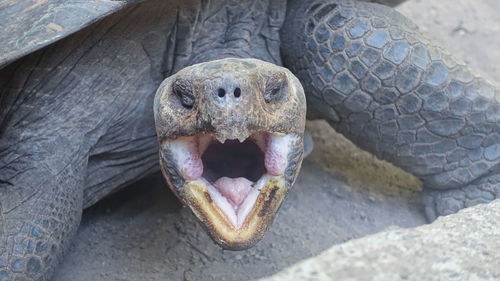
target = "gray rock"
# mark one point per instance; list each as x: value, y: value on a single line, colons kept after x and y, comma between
x: 464, y: 246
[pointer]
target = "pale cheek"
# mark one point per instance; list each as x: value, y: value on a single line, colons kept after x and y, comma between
x: 278, y: 148
x: 192, y: 168
x: 186, y: 155
x: 275, y: 163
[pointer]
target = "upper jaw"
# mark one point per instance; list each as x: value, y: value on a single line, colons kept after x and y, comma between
x: 236, y: 207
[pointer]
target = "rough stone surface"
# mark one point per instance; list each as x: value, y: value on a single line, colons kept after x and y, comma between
x: 464, y: 246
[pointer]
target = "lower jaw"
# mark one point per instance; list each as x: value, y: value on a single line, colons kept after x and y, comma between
x: 252, y: 224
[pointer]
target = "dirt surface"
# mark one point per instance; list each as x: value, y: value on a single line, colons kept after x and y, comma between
x: 142, y: 232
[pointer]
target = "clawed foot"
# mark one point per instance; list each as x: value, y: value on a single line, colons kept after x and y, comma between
x: 446, y: 202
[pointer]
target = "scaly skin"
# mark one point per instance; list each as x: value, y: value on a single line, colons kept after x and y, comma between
x: 72, y: 131
x: 383, y: 85
x: 76, y: 118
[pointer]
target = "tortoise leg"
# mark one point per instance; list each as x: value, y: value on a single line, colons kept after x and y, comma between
x: 39, y: 214
x: 42, y: 171
x: 382, y: 84
x: 64, y: 110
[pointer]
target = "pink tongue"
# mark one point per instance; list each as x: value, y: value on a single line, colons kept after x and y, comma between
x: 235, y: 190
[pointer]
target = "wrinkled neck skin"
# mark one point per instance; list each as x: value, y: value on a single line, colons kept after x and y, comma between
x: 230, y: 120
x: 214, y: 30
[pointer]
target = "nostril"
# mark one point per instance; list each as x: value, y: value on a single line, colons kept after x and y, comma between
x: 221, y: 92
x: 237, y: 92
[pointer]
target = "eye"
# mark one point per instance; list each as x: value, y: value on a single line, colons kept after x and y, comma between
x: 275, y: 89
x: 183, y: 90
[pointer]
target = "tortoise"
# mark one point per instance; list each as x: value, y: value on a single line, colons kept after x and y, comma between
x: 93, y: 91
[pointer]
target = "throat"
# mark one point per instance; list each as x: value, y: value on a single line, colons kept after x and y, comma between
x: 233, y: 168
x: 236, y: 30
x: 233, y: 159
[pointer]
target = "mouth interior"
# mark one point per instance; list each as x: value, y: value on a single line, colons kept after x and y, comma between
x: 233, y: 159
x: 232, y: 173
x: 233, y: 168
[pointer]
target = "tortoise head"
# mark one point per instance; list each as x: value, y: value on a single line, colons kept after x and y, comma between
x: 230, y: 134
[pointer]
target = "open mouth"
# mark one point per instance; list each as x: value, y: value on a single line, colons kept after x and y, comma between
x: 232, y: 186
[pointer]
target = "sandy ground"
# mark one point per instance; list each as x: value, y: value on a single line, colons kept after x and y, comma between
x: 143, y: 233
